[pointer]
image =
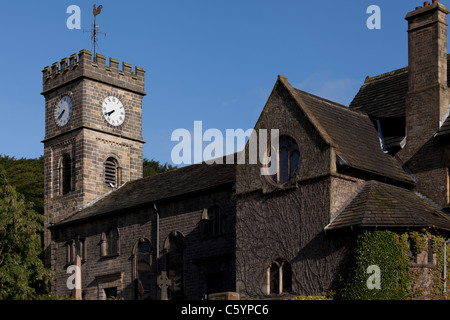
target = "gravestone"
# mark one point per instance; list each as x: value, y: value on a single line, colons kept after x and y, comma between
x: 163, y: 283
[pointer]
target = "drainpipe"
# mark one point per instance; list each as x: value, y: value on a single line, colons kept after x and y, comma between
x: 445, y: 267
x: 157, y: 239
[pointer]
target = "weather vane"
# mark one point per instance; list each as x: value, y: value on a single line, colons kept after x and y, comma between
x: 95, y: 29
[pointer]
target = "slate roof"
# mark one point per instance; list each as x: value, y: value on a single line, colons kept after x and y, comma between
x: 170, y: 185
x: 352, y: 134
x: 378, y: 204
x: 384, y: 97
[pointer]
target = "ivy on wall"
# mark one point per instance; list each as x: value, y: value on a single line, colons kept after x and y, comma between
x: 389, y: 252
x: 438, y: 281
x: 386, y: 250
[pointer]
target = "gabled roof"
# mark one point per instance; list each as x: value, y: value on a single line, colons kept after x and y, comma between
x: 170, y: 185
x: 351, y: 133
x: 378, y: 204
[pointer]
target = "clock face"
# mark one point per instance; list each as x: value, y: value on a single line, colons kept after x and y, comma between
x: 63, y: 111
x: 113, y: 111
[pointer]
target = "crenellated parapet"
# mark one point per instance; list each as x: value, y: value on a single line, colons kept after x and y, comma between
x: 82, y: 65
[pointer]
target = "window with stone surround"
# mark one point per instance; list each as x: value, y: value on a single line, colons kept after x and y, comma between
x: 279, y: 277
x: 76, y: 246
x: 110, y: 293
x: 288, y: 159
x: 212, y: 220
x: 112, y: 172
x: 65, y: 175
x: 110, y: 243
x: 110, y: 286
x: 143, y: 267
x: 175, y: 265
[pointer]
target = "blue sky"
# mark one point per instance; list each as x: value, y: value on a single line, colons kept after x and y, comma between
x: 208, y: 60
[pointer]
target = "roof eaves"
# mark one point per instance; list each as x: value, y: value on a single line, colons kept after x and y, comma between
x: 75, y: 220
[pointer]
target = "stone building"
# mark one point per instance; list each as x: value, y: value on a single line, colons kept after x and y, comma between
x: 383, y: 162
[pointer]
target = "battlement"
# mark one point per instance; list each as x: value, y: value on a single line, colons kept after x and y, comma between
x: 82, y: 65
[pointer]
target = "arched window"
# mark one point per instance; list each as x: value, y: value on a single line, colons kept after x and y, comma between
x: 279, y: 277
x: 212, y: 221
x: 143, y: 269
x: 288, y: 159
x: 110, y: 242
x: 75, y: 247
x: 175, y: 265
x: 65, y: 175
x: 112, y: 172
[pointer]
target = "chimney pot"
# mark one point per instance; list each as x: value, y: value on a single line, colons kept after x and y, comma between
x: 435, y: 1
x: 426, y: 3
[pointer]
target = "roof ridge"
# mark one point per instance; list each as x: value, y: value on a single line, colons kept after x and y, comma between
x: 333, y: 103
x: 322, y: 98
x: 308, y: 113
x: 176, y: 169
x: 384, y: 75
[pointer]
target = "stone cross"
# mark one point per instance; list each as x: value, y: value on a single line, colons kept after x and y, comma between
x: 163, y: 283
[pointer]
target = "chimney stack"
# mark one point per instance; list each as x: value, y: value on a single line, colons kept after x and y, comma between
x: 427, y: 97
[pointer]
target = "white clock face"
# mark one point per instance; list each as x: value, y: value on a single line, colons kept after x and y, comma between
x: 113, y: 111
x: 63, y: 111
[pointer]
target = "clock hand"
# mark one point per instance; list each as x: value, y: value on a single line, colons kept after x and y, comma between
x: 109, y: 113
x: 60, y: 115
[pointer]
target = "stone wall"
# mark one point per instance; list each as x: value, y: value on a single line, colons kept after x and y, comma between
x: 203, y: 256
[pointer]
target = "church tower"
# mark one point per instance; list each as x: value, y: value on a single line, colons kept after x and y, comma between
x: 93, y: 131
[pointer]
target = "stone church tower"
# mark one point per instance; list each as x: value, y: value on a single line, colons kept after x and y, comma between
x: 93, y: 131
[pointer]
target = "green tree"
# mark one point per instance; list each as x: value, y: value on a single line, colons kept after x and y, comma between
x: 22, y: 272
x: 152, y: 167
x: 27, y: 176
